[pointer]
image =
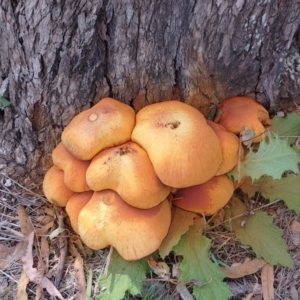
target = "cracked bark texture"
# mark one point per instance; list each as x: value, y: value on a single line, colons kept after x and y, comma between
x: 60, y: 57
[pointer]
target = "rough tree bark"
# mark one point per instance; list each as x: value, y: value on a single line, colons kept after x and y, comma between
x: 60, y: 57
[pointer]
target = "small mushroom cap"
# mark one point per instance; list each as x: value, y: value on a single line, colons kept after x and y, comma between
x: 75, y: 205
x: 135, y: 233
x: 106, y: 124
x: 183, y: 149
x: 74, y: 169
x: 206, y: 198
x: 230, y: 147
x: 241, y: 113
x: 127, y: 170
x: 54, y: 187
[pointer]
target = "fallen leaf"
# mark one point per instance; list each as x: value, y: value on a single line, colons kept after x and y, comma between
x: 288, y: 127
x: 22, y: 284
x: 181, y: 220
x: 259, y: 232
x: 246, y: 268
x: 25, y: 222
x: 267, y: 280
x: 128, y: 276
x: 273, y: 157
x: 33, y: 274
x: 197, y: 268
x: 286, y: 188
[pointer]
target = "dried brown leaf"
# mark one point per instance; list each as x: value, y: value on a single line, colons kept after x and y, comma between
x: 33, y: 274
x: 181, y: 221
x: 246, y: 268
x: 22, y: 284
x: 267, y: 280
x: 25, y: 222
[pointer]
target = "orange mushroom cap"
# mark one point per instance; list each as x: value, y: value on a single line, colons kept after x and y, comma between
x: 135, y: 233
x: 183, y: 149
x: 242, y: 114
x: 54, y: 187
x: 74, y: 169
x: 106, y: 124
x: 75, y: 205
x: 127, y: 170
x: 230, y: 147
x: 206, y: 198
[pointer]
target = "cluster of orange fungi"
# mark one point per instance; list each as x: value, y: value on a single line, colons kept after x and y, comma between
x: 118, y: 173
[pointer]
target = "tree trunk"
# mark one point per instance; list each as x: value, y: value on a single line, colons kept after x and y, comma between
x: 60, y: 57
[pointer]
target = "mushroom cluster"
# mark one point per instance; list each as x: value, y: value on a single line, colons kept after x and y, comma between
x: 115, y: 170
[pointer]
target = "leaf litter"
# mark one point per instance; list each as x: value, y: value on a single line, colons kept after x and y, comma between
x: 223, y: 247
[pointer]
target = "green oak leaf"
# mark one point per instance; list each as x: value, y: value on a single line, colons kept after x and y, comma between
x: 259, y: 232
x: 288, y: 127
x: 123, y: 276
x: 196, y: 265
x: 286, y: 189
x: 272, y: 158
